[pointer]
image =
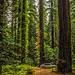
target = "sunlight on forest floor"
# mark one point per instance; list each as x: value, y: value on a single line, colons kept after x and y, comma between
x: 40, y: 71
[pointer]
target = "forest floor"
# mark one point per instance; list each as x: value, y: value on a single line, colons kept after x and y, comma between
x: 40, y: 71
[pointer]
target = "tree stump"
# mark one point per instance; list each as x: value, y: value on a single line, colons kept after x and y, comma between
x: 62, y: 66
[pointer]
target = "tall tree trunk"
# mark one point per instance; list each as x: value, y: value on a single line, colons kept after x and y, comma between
x: 56, y: 25
x: 52, y: 24
x: 15, y: 31
x: 1, y: 31
x: 12, y: 26
x: 30, y: 31
x: 64, y: 32
x: 19, y: 22
x: 23, y: 34
x: 24, y: 31
x: 12, y: 22
x: 41, y: 32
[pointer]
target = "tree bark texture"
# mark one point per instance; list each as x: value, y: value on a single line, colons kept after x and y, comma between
x: 23, y: 33
x: 1, y: 31
x: 12, y: 21
x: 19, y: 22
x: 15, y: 31
x: 64, y: 32
x: 41, y: 32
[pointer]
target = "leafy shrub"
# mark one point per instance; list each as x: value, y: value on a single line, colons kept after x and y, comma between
x: 17, y: 69
x: 54, y: 69
x: 32, y: 62
x: 29, y: 61
x: 51, y: 55
x: 30, y: 71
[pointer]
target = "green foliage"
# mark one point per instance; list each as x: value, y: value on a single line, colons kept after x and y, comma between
x: 10, y: 55
x: 54, y: 69
x: 17, y: 69
x: 51, y: 55
x: 32, y: 62
x: 29, y: 61
x: 48, y: 27
x: 33, y: 16
x: 72, y: 16
x: 26, y: 29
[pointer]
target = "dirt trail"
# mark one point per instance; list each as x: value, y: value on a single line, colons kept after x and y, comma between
x: 40, y: 71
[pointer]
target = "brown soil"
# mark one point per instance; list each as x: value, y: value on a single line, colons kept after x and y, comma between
x: 40, y: 71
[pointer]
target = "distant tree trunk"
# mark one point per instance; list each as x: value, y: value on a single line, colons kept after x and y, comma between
x: 52, y: 24
x: 56, y: 25
x: 65, y: 32
x: 23, y: 34
x: 15, y: 31
x: 12, y: 27
x: 19, y: 22
x: 12, y: 22
x: 41, y: 32
x: 1, y: 31
x: 30, y: 31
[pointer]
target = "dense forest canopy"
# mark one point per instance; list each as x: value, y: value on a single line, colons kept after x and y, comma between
x: 34, y: 32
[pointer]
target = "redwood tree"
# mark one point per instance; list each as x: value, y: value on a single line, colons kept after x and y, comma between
x: 64, y: 32
x: 41, y: 32
x: 1, y: 32
x: 19, y: 22
x: 24, y: 35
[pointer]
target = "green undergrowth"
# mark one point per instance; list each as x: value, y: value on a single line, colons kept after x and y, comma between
x: 17, y: 70
x: 73, y: 68
x: 53, y: 69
